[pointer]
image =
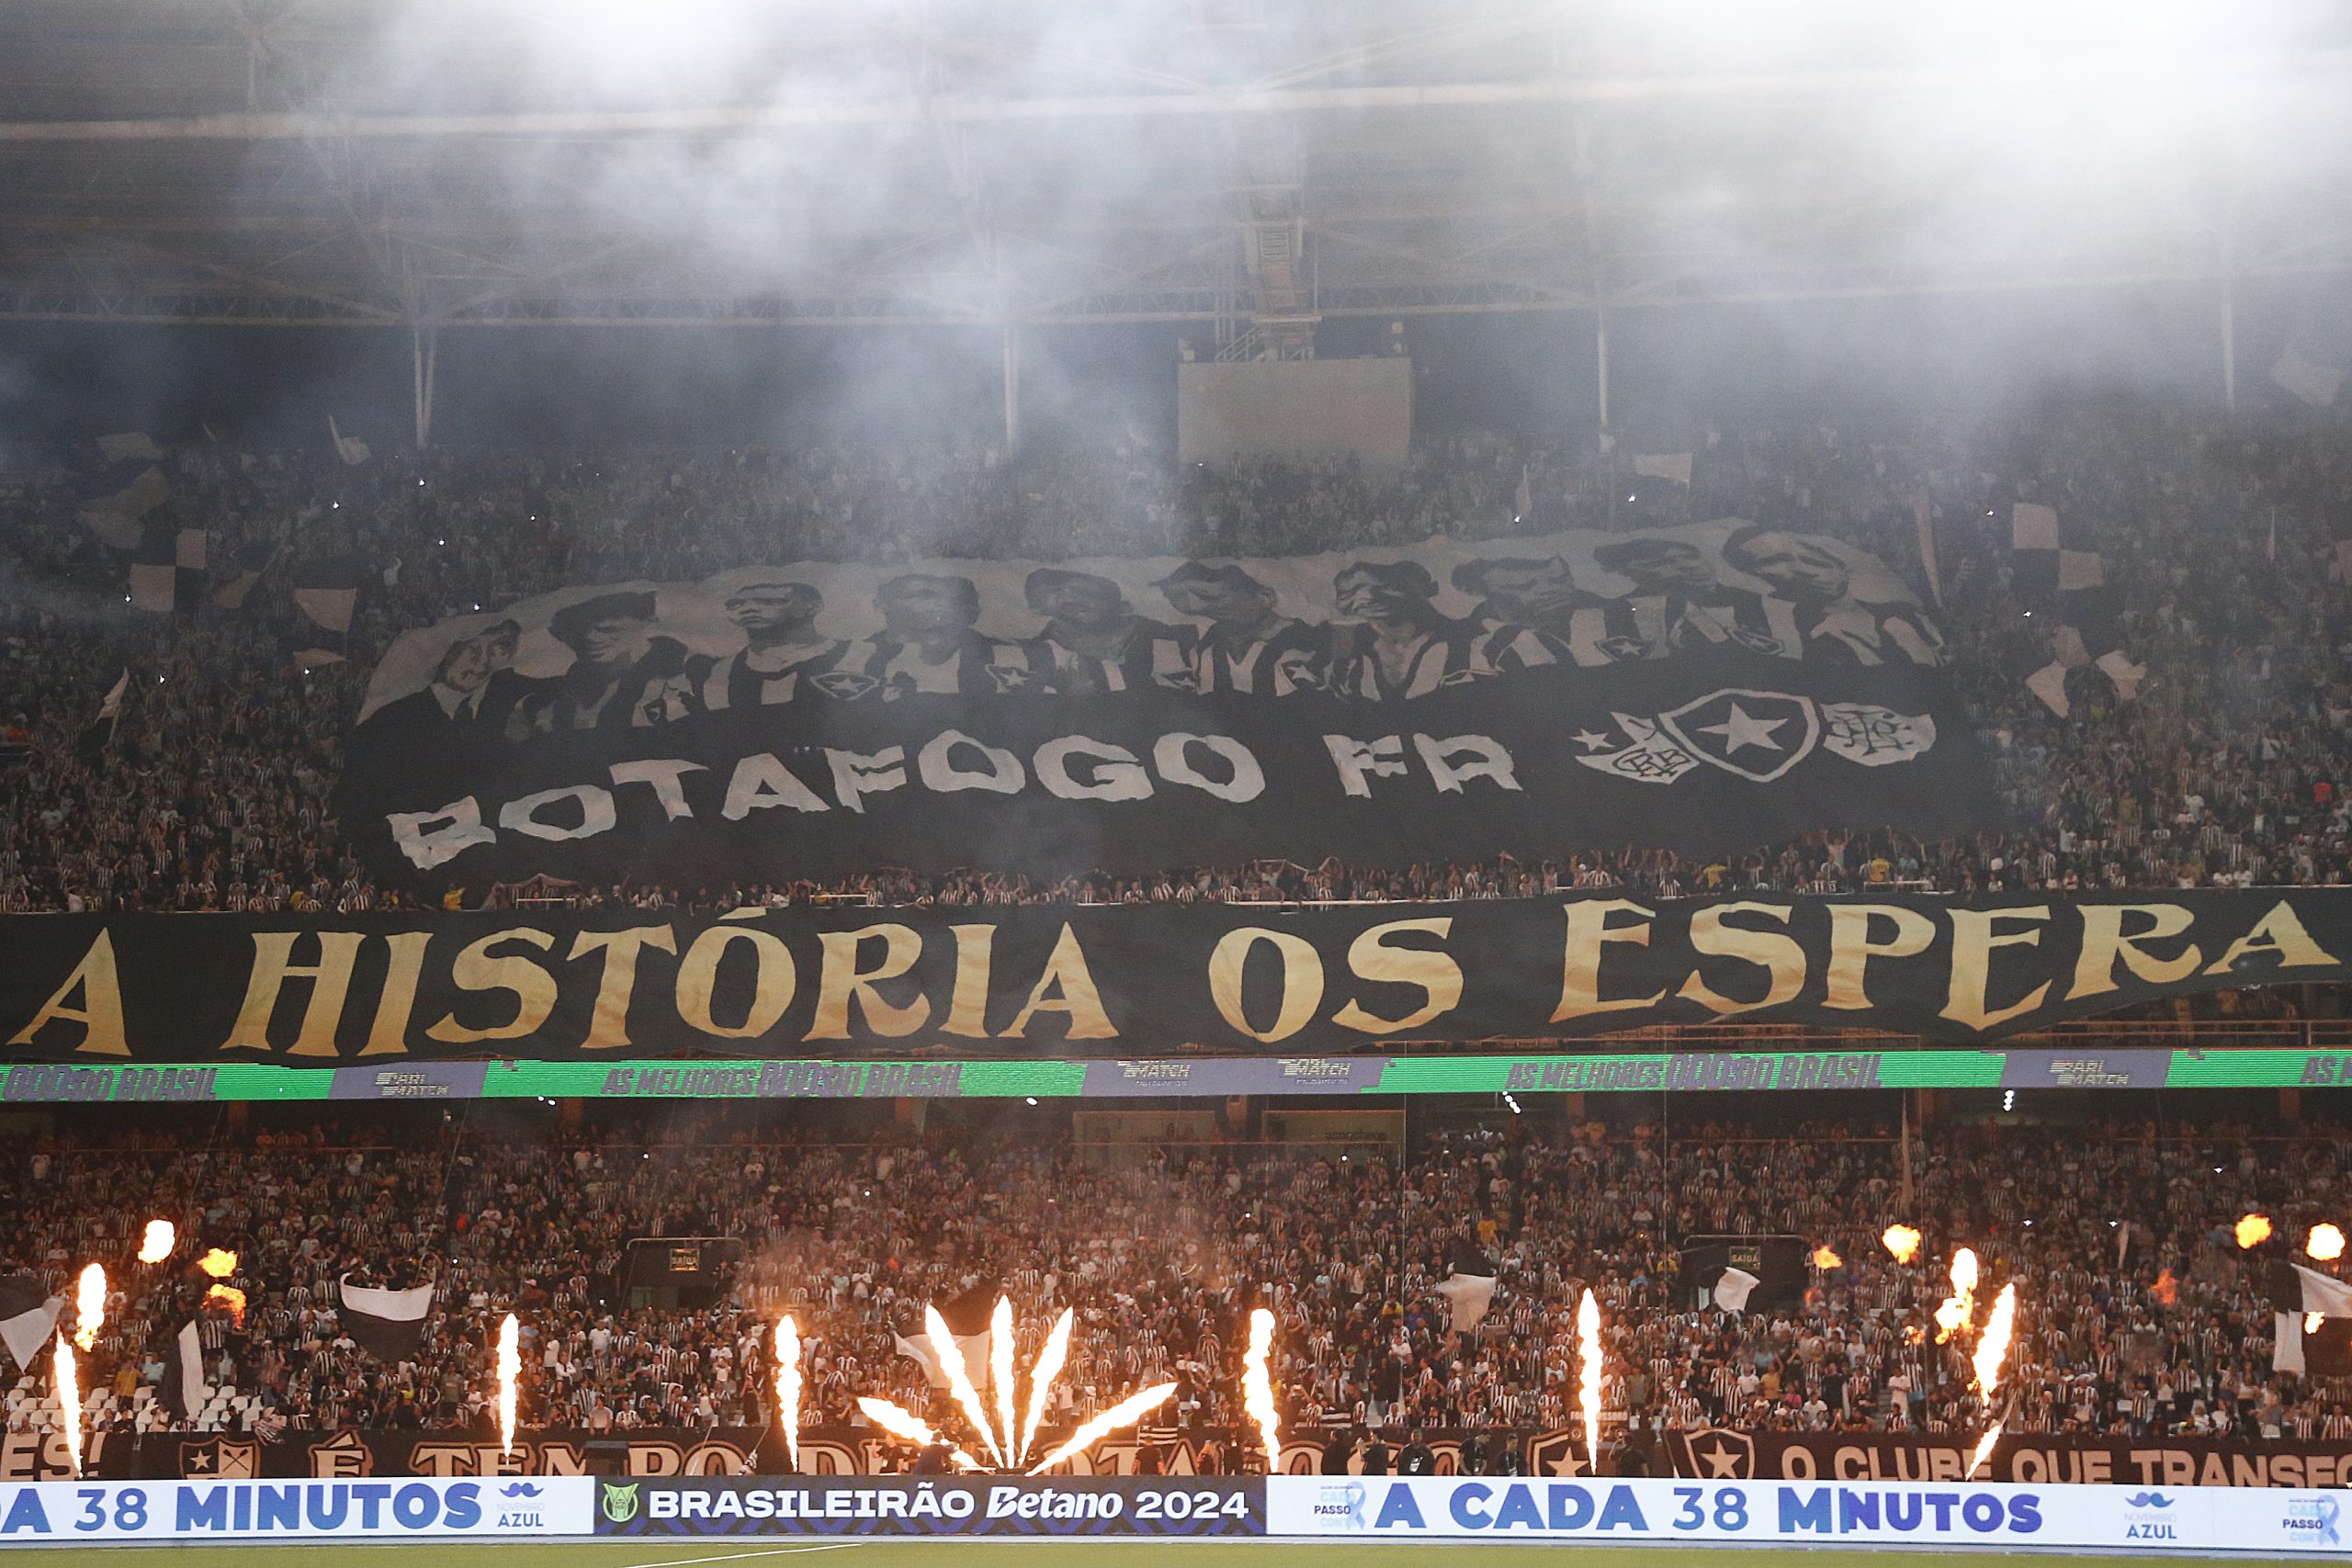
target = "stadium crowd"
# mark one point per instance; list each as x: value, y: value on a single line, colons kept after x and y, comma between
x: 2138, y: 1314
x: 2226, y: 766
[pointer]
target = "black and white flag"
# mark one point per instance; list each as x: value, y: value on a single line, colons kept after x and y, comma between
x: 967, y: 1318
x: 116, y: 516
x: 184, y: 1392
x: 327, y: 592
x: 1469, y: 1287
x: 28, y: 1313
x: 2312, y: 1319
x: 2295, y: 1288
x: 167, y: 572
x: 2313, y: 1346
x: 251, y: 562
x: 2057, y: 567
x: 388, y: 1325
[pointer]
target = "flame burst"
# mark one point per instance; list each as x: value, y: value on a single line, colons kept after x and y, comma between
x: 1990, y: 1351
x: 2253, y: 1230
x: 69, y: 1402
x: 2312, y: 1320
x: 1901, y: 1241
x: 1954, y: 1315
x: 1000, y: 1369
x: 1126, y: 1413
x: 509, y: 1367
x: 1984, y: 1448
x: 787, y: 1386
x: 1589, y: 1373
x: 230, y: 1299
x: 218, y: 1263
x: 910, y: 1428
x: 1823, y: 1258
x: 162, y: 1237
x: 2325, y: 1242
x: 1258, y: 1387
x: 959, y: 1379
x: 1041, y: 1380
x: 89, y: 1306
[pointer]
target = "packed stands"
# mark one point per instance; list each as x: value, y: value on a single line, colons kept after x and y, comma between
x: 2224, y: 770
x: 2140, y: 1316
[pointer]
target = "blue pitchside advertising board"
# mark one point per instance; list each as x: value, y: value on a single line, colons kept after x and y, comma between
x: 511, y: 1509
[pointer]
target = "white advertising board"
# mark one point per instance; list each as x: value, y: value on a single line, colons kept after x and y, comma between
x: 2000, y: 1515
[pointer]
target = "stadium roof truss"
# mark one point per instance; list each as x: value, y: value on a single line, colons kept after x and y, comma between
x: 1250, y: 164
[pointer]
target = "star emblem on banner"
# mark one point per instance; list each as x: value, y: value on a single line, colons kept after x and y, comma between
x: 1742, y: 730
x: 1591, y: 741
x: 1722, y: 727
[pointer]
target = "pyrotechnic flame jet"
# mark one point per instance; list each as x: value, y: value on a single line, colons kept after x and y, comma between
x: 509, y: 1367
x: 787, y: 1386
x: 1258, y: 1387
x: 1126, y: 1413
x: 89, y: 1305
x: 1991, y: 1351
x: 1588, y: 1374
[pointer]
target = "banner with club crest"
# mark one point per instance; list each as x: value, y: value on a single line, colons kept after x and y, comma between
x: 1709, y: 686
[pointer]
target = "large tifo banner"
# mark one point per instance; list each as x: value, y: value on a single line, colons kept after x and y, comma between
x: 1123, y: 980
x: 1711, y: 685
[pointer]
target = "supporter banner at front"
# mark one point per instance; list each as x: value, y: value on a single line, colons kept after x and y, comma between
x: 1707, y: 686
x: 1122, y: 982
x: 1721, y: 1453
x: 1714, y: 1453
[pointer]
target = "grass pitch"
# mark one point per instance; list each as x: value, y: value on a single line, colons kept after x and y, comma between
x: 1066, y: 1553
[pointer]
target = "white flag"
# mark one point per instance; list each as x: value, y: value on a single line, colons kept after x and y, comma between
x: 2286, y: 1343
x: 1731, y: 1290
x: 350, y: 448
x: 129, y: 446
x: 1468, y: 1298
x: 917, y: 1349
x: 2316, y: 383
x: 2048, y: 683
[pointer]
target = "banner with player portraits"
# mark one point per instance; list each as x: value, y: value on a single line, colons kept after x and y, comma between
x: 1708, y: 685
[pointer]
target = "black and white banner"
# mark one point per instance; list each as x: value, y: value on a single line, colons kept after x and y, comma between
x: 1123, y: 981
x: 388, y: 1325
x: 1711, y: 685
